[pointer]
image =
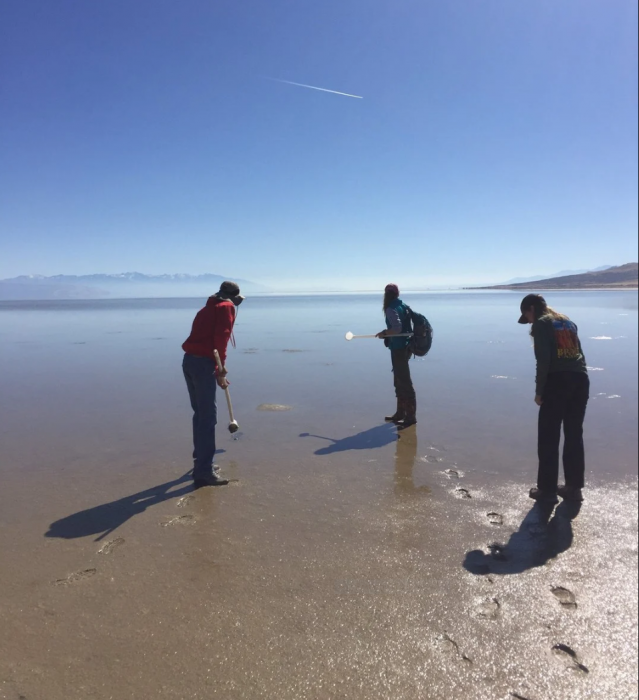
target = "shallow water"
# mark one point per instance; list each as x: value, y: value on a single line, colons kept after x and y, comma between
x: 340, y: 562
x: 101, y: 382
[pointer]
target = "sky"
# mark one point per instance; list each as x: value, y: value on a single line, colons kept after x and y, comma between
x: 495, y: 139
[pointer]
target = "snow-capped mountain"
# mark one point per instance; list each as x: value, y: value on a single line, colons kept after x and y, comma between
x: 119, y: 285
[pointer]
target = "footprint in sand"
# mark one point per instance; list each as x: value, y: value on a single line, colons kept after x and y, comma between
x: 565, y: 597
x: 110, y: 546
x: 516, y: 696
x: 462, y: 493
x: 185, y: 501
x: 431, y: 459
x: 452, y: 473
x: 448, y: 646
x: 488, y: 609
x: 569, y: 658
x: 180, y: 520
x: 495, y: 518
x: 77, y: 577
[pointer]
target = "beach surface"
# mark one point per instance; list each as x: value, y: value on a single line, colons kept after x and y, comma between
x: 342, y: 562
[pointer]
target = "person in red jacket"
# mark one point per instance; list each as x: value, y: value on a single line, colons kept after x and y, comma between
x: 212, y: 330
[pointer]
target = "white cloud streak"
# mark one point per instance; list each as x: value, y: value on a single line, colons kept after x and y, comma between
x: 313, y: 87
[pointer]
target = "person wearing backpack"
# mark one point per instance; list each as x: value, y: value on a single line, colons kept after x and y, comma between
x: 398, y: 323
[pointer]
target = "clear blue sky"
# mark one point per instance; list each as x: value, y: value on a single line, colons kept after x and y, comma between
x: 496, y: 138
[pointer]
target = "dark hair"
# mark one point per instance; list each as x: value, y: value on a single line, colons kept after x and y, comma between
x: 537, y: 302
x: 390, y: 295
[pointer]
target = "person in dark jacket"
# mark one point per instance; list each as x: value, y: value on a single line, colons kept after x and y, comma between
x: 212, y: 329
x: 563, y: 390
x: 397, y: 324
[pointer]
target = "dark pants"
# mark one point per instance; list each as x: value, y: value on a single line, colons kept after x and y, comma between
x: 199, y: 373
x: 404, y: 389
x: 565, y: 400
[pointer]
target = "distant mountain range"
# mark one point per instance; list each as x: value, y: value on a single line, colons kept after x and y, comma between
x: 561, y: 273
x: 122, y: 285
x: 621, y: 277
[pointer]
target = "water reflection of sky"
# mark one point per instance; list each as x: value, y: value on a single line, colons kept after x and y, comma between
x: 104, y: 378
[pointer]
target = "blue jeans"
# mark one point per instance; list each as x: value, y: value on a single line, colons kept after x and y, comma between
x: 199, y: 373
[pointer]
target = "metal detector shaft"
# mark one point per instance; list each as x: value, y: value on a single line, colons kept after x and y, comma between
x: 233, y: 426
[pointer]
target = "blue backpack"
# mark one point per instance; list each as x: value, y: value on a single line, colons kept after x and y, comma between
x: 422, y: 340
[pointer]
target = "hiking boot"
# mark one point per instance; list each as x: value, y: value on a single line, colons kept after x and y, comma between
x: 543, y: 496
x: 570, y: 494
x: 399, y: 414
x: 212, y: 480
x: 410, y: 410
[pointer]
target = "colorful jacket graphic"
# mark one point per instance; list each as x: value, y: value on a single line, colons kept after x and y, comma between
x: 557, y: 348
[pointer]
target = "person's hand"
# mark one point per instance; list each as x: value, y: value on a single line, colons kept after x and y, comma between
x: 381, y: 334
x: 538, y: 400
x: 222, y: 381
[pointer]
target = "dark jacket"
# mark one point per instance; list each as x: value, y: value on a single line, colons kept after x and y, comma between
x: 557, y: 349
x: 398, y: 320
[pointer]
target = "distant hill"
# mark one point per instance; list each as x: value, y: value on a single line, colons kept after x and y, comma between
x: 561, y: 273
x: 117, y: 286
x: 621, y: 277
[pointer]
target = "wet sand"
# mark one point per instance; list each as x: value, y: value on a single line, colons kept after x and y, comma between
x: 376, y: 582
x: 340, y: 563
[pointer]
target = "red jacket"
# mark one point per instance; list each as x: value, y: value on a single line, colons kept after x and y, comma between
x: 212, y: 329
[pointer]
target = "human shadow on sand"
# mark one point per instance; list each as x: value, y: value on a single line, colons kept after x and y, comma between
x: 104, y: 519
x: 371, y: 439
x: 541, y: 537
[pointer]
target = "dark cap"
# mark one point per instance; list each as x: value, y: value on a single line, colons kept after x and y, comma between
x: 231, y: 291
x: 392, y: 289
x: 535, y: 300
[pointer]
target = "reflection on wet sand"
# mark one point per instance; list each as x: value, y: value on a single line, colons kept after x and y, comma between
x: 405, y: 458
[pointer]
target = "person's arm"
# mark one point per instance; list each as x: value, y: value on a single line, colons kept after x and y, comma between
x: 224, y: 320
x: 395, y: 323
x: 543, y: 352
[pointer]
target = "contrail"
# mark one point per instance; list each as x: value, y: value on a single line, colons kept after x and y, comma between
x: 313, y: 87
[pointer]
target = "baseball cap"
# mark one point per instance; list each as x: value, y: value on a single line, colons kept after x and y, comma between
x: 535, y: 300
x: 230, y: 290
